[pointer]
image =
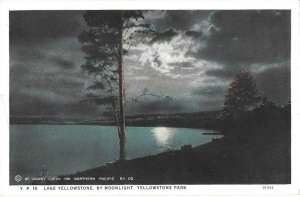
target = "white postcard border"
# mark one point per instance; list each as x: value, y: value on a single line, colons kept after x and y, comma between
x: 7, y: 5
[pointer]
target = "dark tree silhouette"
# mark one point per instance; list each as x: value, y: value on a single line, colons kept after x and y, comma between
x: 241, y: 95
x: 266, y: 103
x: 109, y: 37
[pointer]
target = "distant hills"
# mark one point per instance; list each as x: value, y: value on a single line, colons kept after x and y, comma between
x: 206, y: 119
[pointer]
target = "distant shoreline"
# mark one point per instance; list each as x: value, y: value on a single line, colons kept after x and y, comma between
x: 207, y: 120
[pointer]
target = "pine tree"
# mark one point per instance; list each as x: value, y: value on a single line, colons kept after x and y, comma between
x: 241, y: 95
x: 107, y: 41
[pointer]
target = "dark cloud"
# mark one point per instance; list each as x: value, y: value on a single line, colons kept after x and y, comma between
x: 194, y: 34
x: 223, y: 73
x: 213, y: 89
x: 45, y: 59
x: 179, y: 19
x: 39, y: 27
x: 165, y: 36
x: 16, y: 71
x: 247, y: 37
x: 182, y: 65
x: 33, y: 106
x: 275, y: 83
x: 23, y: 54
x: 61, y: 61
x: 157, y: 61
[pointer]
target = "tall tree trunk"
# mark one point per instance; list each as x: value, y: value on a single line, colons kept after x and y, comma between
x: 122, y: 135
x: 115, y: 115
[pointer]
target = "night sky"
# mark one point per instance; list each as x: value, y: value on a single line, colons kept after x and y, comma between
x: 191, y: 59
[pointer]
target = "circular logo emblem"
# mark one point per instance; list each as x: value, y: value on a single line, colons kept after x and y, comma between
x: 18, y: 178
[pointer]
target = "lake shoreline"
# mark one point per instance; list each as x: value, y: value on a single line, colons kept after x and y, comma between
x: 221, y: 161
x: 206, y: 120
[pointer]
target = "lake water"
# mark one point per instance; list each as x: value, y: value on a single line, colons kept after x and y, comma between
x: 66, y: 149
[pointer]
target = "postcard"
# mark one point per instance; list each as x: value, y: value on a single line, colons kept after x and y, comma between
x: 149, y: 98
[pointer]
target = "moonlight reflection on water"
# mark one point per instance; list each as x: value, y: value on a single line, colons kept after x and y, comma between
x: 164, y: 136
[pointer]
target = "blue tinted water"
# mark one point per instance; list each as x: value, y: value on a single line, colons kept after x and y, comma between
x: 66, y: 149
